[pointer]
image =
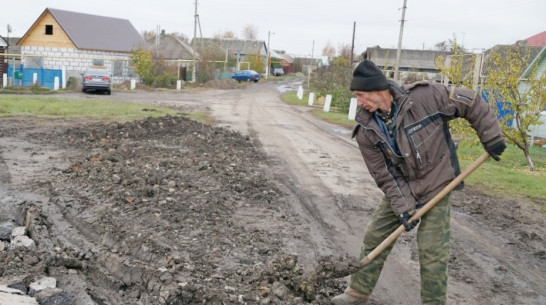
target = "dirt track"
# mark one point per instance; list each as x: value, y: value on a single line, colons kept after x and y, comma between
x: 172, y: 211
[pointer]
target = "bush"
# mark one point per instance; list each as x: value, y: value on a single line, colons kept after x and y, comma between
x: 73, y: 83
x: 334, y: 80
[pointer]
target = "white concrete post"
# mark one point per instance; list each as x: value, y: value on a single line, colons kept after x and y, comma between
x: 4, y: 80
x: 63, y: 75
x: 133, y: 84
x: 300, y: 92
x: 178, y: 84
x: 56, y: 83
x: 352, y: 109
x: 34, y: 78
x: 311, y: 98
x: 327, y: 103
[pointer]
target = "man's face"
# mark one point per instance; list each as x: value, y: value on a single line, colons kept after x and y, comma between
x: 374, y: 100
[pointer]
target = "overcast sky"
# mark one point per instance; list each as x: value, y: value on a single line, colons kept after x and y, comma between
x: 298, y: 25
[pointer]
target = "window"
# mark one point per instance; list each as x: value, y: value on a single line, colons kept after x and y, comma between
x: 118, y: 68
x: 98, y: 62
x: 49, y: 29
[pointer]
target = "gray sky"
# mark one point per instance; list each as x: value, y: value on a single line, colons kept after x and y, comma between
x: 296, y: 24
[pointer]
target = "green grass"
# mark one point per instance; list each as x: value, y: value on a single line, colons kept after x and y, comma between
x: 291, y: 98
x: 511, y: 176
x: 49, y: 107
x: 334, y: 118
x: 331, y: 117
x: 34, y: 89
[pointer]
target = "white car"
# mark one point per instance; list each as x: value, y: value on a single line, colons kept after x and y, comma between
x: 278, y: 72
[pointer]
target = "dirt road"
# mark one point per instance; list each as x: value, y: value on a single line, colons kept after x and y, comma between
x: 170, y: 211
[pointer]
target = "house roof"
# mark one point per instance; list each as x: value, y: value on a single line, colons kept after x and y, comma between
x: 13, y: 48
x: 537, y: 60
x: 3, y: 42
x: 171, y: 47
x: 308, y: 61
x: 537, y: 40
x: 241, y: 46
x: 409, y: 59
x: 502, y: 49
x: 279, y: 54
x: 92, y: 32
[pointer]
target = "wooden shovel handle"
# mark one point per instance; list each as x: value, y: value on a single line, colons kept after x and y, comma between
x: 420, y: 212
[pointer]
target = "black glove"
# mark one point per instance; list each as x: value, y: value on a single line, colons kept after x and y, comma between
x: 404, y: 220
x: 495, y: 149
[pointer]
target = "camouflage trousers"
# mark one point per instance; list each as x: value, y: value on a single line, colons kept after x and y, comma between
x: 432, y: 238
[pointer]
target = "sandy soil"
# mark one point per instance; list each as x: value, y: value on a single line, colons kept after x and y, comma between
x: 259, y: 209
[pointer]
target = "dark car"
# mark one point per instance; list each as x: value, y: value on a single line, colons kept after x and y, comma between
x: 246, y: 75
x: 97, y: 80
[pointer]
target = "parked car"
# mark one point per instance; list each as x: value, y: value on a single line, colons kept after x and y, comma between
x: 278, y: 72
x: 246, y: 75
x: 97, y: 80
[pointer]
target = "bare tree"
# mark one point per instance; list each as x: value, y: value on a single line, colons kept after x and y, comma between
x: 329, y: 50
x: 450, y: 45
x: 345, y: 51
x: 250, y: 32
x: 225, y: 34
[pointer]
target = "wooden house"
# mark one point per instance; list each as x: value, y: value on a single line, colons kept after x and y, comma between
x: 65, y: 44
x: 174, y: 52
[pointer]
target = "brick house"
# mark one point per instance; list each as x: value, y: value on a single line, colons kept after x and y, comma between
x: 64, y: 44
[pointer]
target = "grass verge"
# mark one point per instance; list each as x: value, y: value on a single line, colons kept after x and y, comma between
x: 50, y: 107
x: 511, y: 176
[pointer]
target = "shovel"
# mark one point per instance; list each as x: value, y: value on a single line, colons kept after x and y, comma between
x: 431, y: 203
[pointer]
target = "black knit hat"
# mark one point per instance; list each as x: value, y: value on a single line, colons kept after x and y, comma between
x: 368, y: 77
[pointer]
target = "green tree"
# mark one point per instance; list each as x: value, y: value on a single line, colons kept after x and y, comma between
x: 256, y: 62
x: 458, y: 68
x: 144, y: 65
x: 519, y: 88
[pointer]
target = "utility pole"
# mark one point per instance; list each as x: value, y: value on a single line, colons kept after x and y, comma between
x: 397, y: 65
x: 268, y: 54
x: 194, y: 42
x: 352, y: 49
x: 311, y: 65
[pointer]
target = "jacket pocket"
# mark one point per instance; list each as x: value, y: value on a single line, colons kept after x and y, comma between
x: 427, y: 144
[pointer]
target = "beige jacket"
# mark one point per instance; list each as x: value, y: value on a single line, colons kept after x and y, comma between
x: 426, y: 159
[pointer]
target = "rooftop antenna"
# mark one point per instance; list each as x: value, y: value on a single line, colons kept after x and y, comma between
x: 7, y: 46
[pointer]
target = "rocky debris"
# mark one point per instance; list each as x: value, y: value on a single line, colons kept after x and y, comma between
x: 42, y: 291
x: 20, y: 239
x: 10, y: 296
x: 42, y: 284
x: 14, y: 237
x: 167, y: 211
x: 221, y: 84
x: 21, y: 259
x: 6, y: 227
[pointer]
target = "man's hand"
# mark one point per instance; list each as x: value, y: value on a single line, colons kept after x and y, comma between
x: 404, y: 220
x: 496, y: 149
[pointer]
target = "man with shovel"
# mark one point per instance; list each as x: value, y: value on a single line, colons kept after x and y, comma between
x: 404, y: 138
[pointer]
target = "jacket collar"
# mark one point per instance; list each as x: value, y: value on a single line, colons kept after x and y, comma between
x: 364, y: 117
